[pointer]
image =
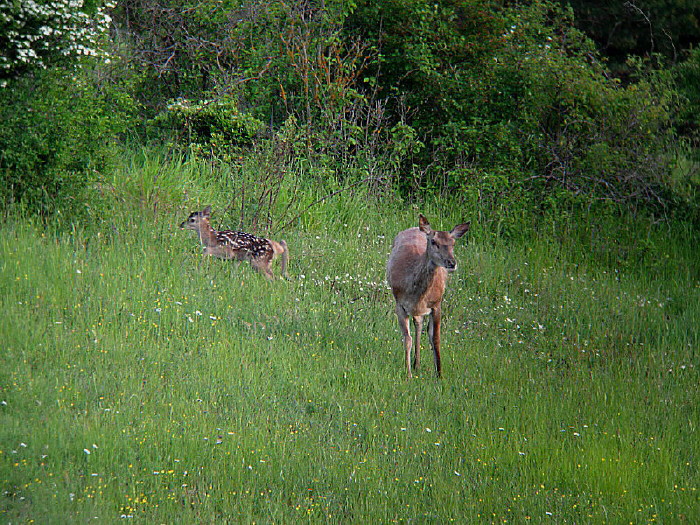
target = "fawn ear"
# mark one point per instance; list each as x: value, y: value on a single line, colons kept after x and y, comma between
x: 460, y: 230
x: 206, y: 211
x: 424, y: 225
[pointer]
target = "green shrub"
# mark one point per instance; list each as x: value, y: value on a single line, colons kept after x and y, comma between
x: 57, y: 137
x: 208, y: 123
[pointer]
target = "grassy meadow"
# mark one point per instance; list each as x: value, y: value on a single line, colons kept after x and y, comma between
x: 141, y: 382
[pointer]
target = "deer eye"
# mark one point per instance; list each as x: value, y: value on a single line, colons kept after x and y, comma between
x: 432, y: 241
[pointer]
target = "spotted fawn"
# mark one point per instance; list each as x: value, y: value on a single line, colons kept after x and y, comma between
x: 241, y: 246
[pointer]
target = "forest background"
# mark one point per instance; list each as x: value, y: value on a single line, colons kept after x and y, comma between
x: 521, y: 107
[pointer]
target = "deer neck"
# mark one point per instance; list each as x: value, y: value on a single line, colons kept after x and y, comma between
x: 207, y: 235
x: 424, y: 274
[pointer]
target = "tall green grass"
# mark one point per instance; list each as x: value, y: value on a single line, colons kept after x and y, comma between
x: 142, y: 382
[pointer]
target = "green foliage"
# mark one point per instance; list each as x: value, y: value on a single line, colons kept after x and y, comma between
x: 270, y: 52
x: 57, y: 138
x: 422, y: 97
x: 177, y: 48
x: 271, y: 60
x: 430, y: 57
x: 687, y: 74
x: 504, y: 103
x: 518, y: 95
x: 583, y: 131
x: 209, y: 122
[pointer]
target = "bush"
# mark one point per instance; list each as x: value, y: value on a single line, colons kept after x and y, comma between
x: 57, y: 137
x: 208, y: 123
x: 487, y: 98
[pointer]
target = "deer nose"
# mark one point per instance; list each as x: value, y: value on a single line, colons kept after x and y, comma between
x: 450, y: 265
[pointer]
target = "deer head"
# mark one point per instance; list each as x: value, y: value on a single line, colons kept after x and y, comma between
x: 440, y: 246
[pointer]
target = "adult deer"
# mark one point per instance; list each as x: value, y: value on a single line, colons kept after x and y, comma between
x: 229, y: 244
x: 420, y: 261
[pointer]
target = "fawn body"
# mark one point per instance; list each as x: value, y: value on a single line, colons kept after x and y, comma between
x: 417, y: 271
x: 229, y: 244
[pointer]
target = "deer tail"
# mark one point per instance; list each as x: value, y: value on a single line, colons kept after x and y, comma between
x: 285, y: 258
x: 280, y: 248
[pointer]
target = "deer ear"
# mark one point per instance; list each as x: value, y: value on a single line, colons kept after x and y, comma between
x: 424, y: 225
x: 460, y: 230
x: 207, y: 211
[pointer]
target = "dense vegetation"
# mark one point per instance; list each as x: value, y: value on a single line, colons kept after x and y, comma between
x: 504, y: 104
x: 140, y: 381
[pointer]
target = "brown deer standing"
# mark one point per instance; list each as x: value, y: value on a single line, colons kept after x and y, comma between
x: 417, y: 272
x: 229, y: 244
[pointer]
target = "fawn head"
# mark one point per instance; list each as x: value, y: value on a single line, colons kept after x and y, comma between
x: 440, y: 244
x: 196, y: 219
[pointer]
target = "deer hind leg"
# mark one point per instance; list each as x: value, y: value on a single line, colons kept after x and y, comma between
x: 262, y: 264
x: 418, y: 326
x: 406, y: 337
x: 434, y: 336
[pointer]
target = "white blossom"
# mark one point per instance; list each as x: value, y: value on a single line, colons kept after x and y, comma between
x: 59, y: 28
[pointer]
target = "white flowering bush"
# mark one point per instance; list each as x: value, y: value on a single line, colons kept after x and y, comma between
x: 38, y: 34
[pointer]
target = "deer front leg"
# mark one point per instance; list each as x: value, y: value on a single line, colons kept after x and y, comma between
x: 406, y: 337
x: 418, y: 325
x: 434, y: 335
